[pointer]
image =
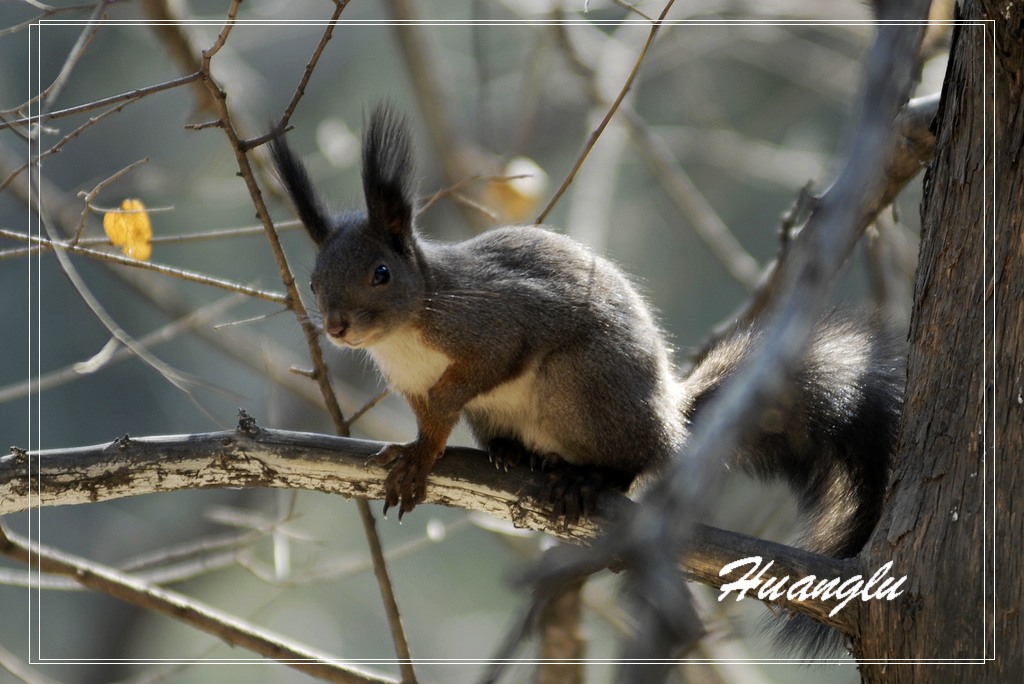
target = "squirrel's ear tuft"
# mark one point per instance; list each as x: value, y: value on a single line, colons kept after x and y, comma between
x: 388, y: 172
x: 296, y: 181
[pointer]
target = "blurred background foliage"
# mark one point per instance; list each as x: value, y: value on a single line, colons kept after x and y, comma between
x: 746, y: 111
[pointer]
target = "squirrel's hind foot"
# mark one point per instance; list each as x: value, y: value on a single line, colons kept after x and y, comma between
x: 507, y: 453
x: 575, y: 489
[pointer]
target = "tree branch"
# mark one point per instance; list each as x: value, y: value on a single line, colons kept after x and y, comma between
x: 113, y: 352
x: 251, y: 456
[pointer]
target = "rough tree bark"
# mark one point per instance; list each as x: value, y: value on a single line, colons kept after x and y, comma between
x: 951, y: 522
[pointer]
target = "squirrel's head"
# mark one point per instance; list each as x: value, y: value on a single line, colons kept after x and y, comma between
x: 367, y: 279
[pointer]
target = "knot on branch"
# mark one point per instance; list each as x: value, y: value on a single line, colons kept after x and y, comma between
x: 18, y: 455
x: 247, y: 424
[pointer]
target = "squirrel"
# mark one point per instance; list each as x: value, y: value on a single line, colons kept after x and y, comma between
x: 551, y: 354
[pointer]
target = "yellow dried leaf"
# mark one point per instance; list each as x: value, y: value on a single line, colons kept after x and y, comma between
x: 129, y: 229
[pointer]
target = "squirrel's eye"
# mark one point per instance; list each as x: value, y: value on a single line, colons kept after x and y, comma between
x: 381, y: 275
x: 312, y: 287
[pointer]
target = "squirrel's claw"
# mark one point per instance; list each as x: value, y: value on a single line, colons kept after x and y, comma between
x: 387, y: 455
x: 406, y: 483
x: 506, y: 453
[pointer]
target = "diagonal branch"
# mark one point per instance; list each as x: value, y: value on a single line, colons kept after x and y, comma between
x: 58, y: 146
x: 300, y: 89
x: 685, y: 495
x: 180, y: 607
x: 703, y: 219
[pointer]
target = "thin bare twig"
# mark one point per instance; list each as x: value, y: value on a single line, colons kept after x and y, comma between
x: 366, y: 407
x: 91, y: 195
x: 225, y: 233
x: 335, y: 568
x: 60, y: 247
x: 168, y: 566
x: 22, y: 671
x: 300, y: 90
x: 608, y: 116
x: 222, y: 39
x: 96, y: 104
x: 454, y: 191
x: 745, y: 157
x: 912, y: 148
x: 705, y: 221
x: 380, y: 572
x: 244, y: 231
x: 180, y: 379
x: 40, y: 6
x: 245, y: 348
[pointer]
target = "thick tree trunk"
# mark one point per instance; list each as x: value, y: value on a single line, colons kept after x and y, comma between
x: 951, y: 523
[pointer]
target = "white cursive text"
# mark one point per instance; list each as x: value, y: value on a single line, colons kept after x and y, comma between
x: 810, y: 587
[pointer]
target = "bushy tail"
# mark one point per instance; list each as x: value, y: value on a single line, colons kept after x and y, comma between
x: 832, y: 439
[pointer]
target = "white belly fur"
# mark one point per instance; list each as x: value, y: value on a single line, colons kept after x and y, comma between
x: 412, y: 367
x: 408, y: 365
x: 513, y: 406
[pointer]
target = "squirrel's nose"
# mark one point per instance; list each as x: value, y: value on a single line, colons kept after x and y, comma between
x: 336, y: 325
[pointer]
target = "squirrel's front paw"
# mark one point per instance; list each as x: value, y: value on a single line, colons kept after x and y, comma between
x: 406, y: 484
